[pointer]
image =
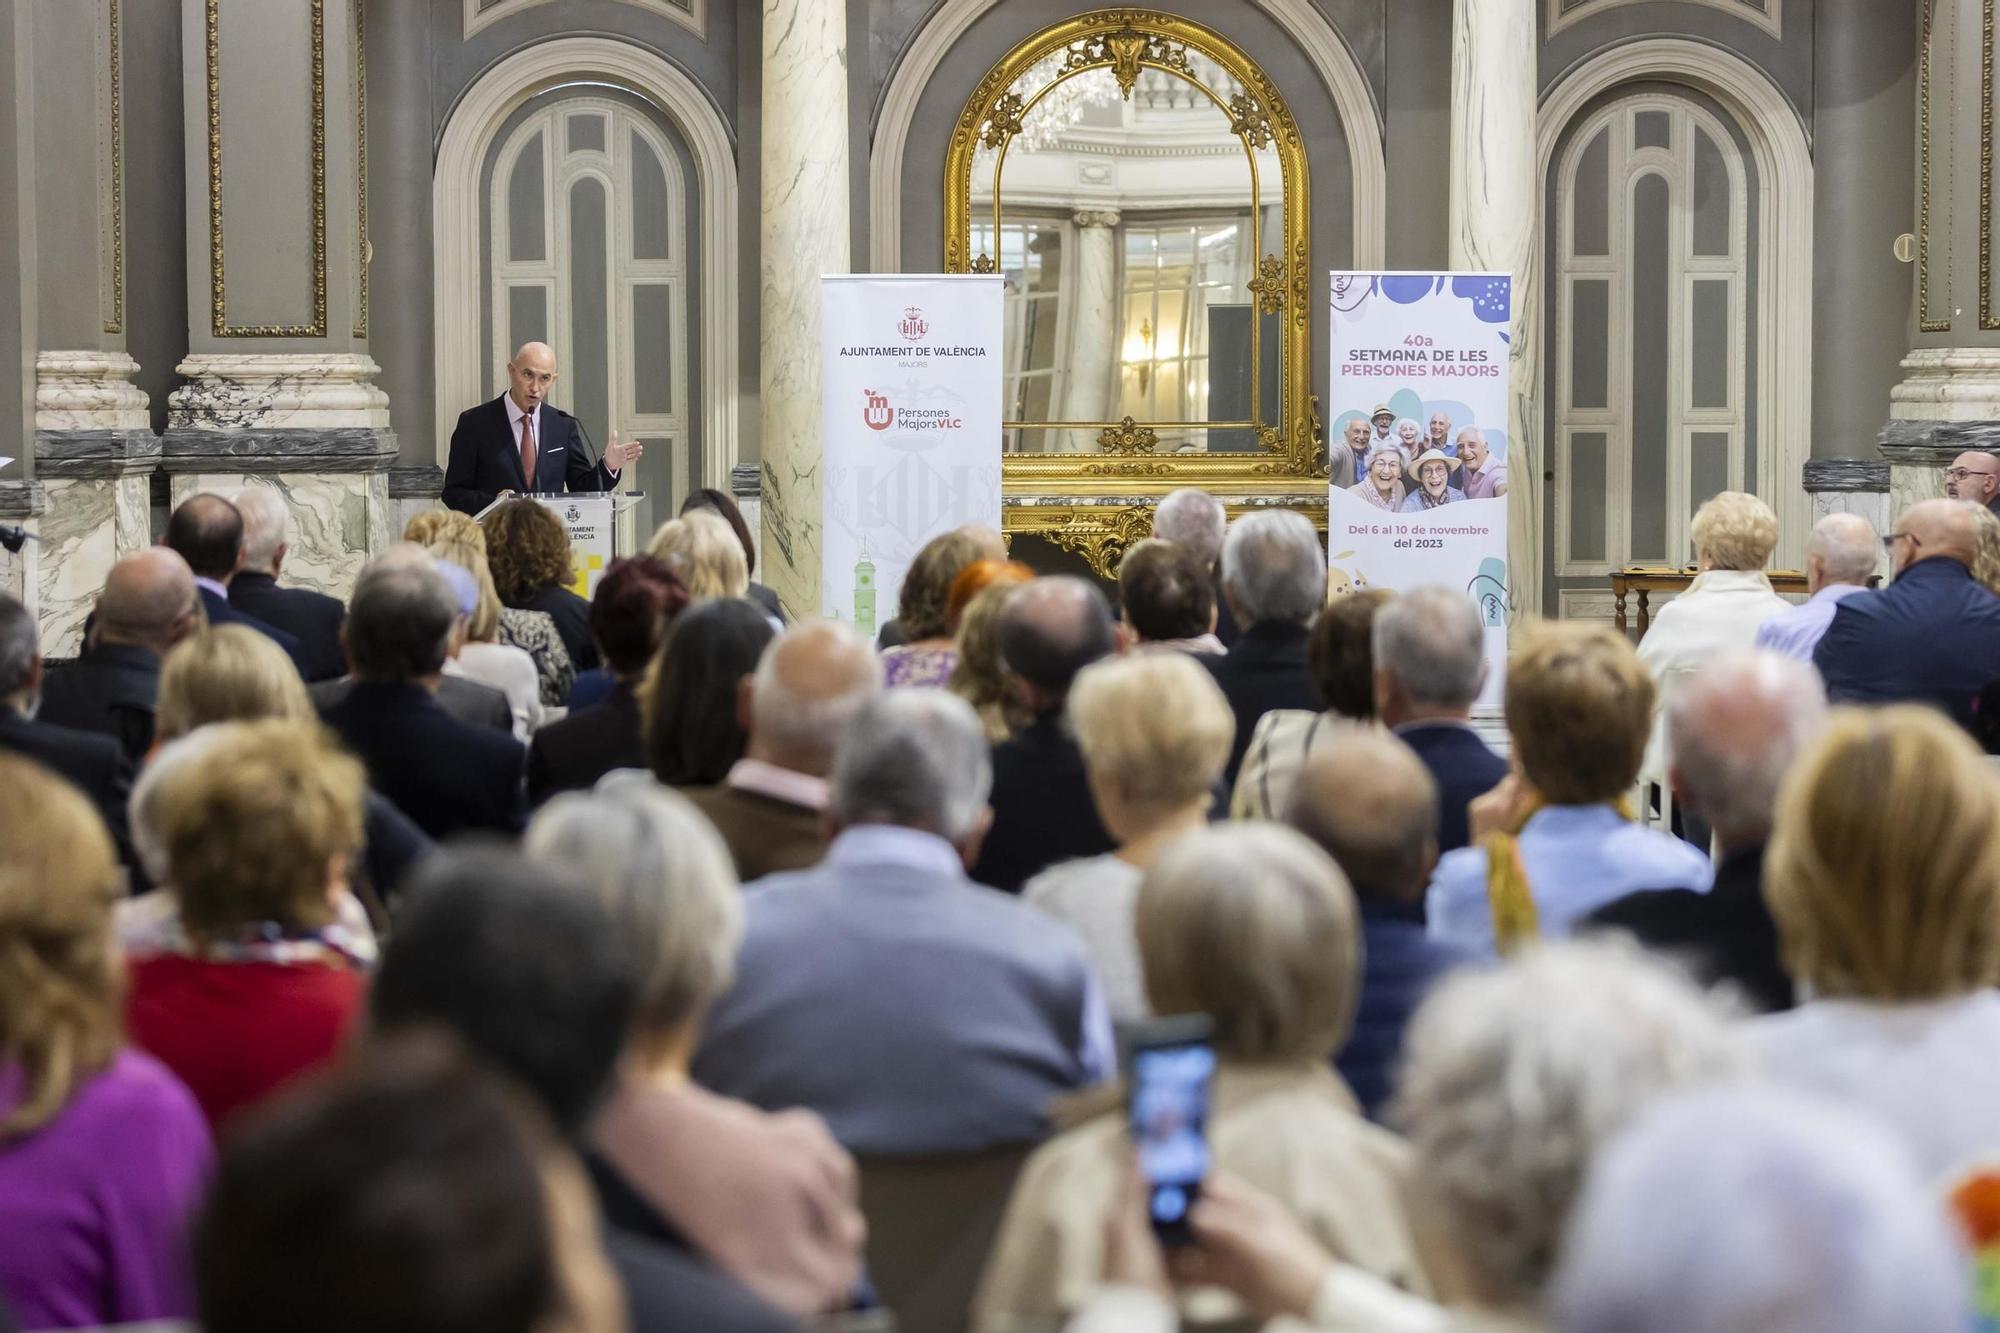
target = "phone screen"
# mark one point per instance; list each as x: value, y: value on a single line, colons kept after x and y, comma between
x: 1169, y: 1111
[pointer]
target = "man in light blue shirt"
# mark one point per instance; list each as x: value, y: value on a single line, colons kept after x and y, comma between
x: 1840, y: 559
x: 1579, y: 709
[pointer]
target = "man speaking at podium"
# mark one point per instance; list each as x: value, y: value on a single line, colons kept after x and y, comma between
x: 521, y: 444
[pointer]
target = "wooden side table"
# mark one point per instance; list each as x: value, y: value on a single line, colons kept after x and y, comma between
x: 1648, y: 579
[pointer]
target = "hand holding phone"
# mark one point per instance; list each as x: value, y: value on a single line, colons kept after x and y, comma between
x: 1170, y: 1073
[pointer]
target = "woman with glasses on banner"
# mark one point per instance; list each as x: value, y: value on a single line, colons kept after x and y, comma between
x: 1382, y: 486
x: 1434, y: 488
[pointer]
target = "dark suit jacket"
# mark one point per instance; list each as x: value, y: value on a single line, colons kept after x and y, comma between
x: 1042, y: 811
x: 446, y: 776
x: 764, y: 834
x: 485, y: 458
x: 1932, y: 636
x: 312, y: 618
x: 1726, y: 934
x: 572, y: 616
x: 1266, y: 669
x: 470, y: 702
x: 111, y: 689
x: 220, y: 612
x: 574, y: 753
x: 1464, y: 767
x: 95, y: 764
x: 1400, y: 963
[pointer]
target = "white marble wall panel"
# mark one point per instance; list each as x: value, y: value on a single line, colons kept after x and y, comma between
x: 1911, y: 484
x: 278, y: 391
x: 89, y: 523
x: 88, y: 391
x: 338, y: 520
x: 804, y: 234
x: 1871, y: 505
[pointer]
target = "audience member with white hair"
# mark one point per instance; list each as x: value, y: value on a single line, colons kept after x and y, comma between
x: 1733, y: 534
x: 1756, y: 1210
x: 1841, y: 556
x: 1255, y: 927
x: 1155, y: 734
x: 915, y: 1010
x: 1884, y: 876
x: 313, y: 618
x: 1736, y: 729
x: 770, y: 808
x: 1430, y: 664
x: 1516, y: 1078
x: 769, y: 1199
x: 1196, y: 522
x: 1274, y: 579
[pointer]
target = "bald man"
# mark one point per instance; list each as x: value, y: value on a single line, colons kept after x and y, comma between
x: 1841, y: 556
x: 771, y: 807
x: 1372, y: 805
x: 1734, y: 730
x: 1933, y: 635
x: 522, y: 444
x: 148, y: 605
x: 1974, y: 475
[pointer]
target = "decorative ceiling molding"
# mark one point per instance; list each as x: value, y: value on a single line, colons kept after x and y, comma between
x: 690, y: 14
x: 455, y: 200
x: 1765, y: 14
x: 1339, y: 71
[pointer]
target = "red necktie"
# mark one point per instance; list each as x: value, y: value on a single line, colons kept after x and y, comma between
x: 527, y: 451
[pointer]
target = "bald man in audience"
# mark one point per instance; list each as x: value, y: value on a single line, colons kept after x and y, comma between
x: 1933, y: 635
x: 207, y: 531
x: 1373, y: 806
x: 148, y: 605
x: 1735, y: 729
x: 1049, y: 630
x: 771, y: 808
x: 1974, y: 475
x: 1841, y: 557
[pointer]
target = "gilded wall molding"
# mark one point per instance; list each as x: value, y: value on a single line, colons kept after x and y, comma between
x: 219, y: 324
x: 1927, y: 322
x: 114, y: 314
x: 363, y: 250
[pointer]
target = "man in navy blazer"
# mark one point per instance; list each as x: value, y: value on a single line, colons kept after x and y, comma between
x: 1430, y: 663
x: 1933, y: 635
x: 522, y: 443
x: 207, y: 532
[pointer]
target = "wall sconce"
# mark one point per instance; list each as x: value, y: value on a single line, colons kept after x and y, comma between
x: 1139, y: 353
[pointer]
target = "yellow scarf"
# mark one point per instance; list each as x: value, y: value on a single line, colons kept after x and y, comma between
x: 1509, y: 896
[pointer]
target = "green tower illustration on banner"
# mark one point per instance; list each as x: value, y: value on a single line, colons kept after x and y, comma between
x: 864, y: 595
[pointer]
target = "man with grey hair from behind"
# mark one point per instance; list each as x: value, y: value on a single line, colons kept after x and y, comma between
x: 1274, y: 578
x: 1735, y: 729
x: 771, y: 806
x: 1865, y: 1247
x: 1841, y: 556
x: 1196, y: 522
x: 916, y: 1011
x: 1429, y: 646
x: 96, y: 764
x: 313, y: 618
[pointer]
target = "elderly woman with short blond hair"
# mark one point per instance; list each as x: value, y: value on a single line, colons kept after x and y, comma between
x: 767, y: 1197
x: 1256, y: 927
x: 1155, y: 730
x: 1733, y: 536
x: 103, y: 1154
x: 1883, y: 874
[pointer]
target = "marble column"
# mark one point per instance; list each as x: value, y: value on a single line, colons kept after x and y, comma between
x: 1093, y: 326
x: 280, y: 387
x: 94, y: 447
x: 1948, y: 399
x: 803, y: 175
x: 1492, y: 229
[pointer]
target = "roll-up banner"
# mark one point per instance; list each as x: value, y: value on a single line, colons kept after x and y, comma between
x: 911, y: 435
x: 1417, y: 441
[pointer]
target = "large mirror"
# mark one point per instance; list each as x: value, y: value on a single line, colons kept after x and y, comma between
x: 1141, y: 187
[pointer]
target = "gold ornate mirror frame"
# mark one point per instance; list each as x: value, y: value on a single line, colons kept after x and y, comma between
x: 1126, y: 41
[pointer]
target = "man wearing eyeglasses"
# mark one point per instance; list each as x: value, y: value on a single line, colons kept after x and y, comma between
x: 1975, y: 476
x: 1933, y: 635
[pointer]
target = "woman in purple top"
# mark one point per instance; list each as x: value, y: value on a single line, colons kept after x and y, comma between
x: 103, y: 1154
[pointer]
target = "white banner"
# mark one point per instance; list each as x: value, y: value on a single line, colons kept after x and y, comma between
x: 911, y: 432
x: 1420, y: 383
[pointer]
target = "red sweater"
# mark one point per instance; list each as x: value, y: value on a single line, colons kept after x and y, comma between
x: 235, y: 1032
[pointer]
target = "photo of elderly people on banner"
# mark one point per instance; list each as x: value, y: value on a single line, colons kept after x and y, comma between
x: 1417, y: 470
